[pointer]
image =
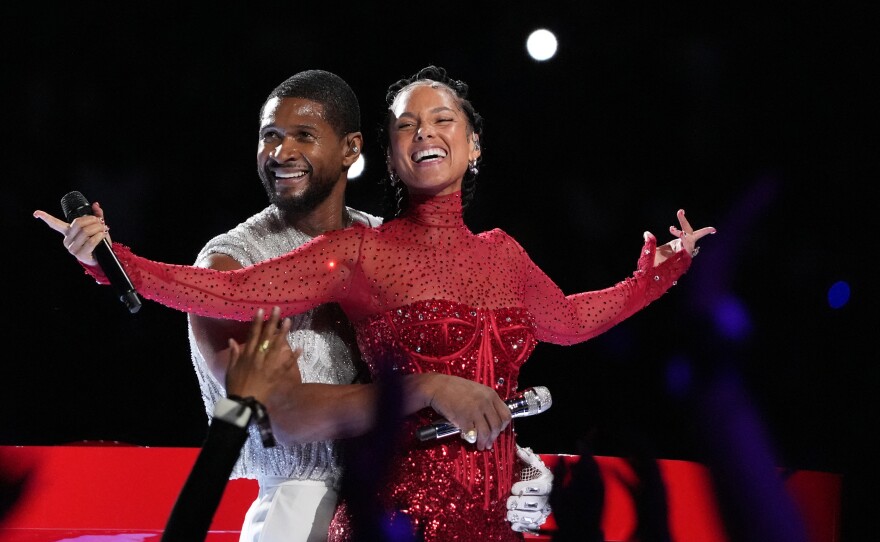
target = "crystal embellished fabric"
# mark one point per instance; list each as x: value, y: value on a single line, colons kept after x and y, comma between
x: 327, y: 352
x: 450, y: 301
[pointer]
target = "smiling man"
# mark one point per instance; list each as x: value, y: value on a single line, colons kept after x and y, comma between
x: 309, y: 137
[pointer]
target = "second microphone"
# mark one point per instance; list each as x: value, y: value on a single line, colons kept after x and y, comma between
x: 528, y: 402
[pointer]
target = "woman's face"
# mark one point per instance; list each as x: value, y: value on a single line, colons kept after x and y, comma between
x: 430, y: 139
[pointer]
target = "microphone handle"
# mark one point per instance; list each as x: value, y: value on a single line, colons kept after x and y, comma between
x: 437, y: 430
x: 116, y: 275
x: 519, y: 406
x: 443, y: 428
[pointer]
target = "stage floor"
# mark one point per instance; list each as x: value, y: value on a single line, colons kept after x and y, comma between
x: 125, y: 494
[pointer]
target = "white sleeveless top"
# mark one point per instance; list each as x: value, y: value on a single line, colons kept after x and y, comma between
x: 327, y: 357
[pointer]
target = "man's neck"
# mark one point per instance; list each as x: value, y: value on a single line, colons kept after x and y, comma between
x: 328, y: 215
x: 318, y: 221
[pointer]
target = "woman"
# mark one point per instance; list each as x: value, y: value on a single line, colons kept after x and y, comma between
x: 424, y: 291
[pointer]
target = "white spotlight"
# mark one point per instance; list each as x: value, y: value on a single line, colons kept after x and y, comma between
x: 357, y: 168
x: 541, y: 44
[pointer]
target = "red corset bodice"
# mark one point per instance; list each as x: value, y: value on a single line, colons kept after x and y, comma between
x: 447, y: 487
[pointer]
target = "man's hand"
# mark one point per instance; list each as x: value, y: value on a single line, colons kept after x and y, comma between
x: 528, y: 507
x: 265, y: 363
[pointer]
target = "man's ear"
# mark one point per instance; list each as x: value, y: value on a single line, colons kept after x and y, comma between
x: 353, y: 147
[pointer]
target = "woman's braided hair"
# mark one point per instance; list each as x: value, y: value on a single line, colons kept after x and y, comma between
x: 396, y: 196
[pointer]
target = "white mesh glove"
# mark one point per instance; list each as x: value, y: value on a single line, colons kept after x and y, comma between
x: 528, y: 507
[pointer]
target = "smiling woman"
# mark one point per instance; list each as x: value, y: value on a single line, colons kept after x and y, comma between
x: 430, y: 123
x: 433, y: 142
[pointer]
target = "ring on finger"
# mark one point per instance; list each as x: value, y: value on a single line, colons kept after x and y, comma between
x: 264, y: 346
x: 470, y: 436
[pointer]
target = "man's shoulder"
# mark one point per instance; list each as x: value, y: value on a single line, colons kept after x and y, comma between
x: 264, y: 219
x: 245, y: 241
x: 364, y: 218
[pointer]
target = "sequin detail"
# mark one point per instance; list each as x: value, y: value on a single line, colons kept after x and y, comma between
x: 448, y: 489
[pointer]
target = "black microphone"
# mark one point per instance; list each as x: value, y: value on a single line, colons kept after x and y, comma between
x: 528, y: 402
x: 75, y: 205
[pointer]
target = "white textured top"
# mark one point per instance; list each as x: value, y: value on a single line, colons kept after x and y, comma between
x: 328, y: 350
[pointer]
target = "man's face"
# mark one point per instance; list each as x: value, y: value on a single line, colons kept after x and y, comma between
x: 299, y: 156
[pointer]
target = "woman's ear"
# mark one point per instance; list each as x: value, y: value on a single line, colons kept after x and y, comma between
x: 475, y: 149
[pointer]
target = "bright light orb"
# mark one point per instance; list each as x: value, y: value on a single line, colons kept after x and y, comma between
x: 541, y: 44
x: 357, y: 168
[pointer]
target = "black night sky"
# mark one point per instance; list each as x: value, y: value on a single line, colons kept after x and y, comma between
x: 757, y: 119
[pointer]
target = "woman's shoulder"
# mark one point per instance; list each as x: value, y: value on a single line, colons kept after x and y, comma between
x: 497, y: 235
x: 502, y: 239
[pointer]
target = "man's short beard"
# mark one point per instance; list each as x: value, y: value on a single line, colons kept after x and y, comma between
x: 314, y: 195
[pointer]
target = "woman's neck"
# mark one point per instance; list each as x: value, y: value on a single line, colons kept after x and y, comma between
x: 440, y: 211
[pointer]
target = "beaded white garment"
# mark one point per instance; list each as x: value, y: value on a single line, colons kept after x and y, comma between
x: 327, y: 357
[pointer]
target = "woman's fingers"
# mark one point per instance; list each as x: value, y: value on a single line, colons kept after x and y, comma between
x: 55, y: 223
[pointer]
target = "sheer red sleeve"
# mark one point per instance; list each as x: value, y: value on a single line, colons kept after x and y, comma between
x: 575, y: 318
x: 317, y: 272
x: 95, y: 272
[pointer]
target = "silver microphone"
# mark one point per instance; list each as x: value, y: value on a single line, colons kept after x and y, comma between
x: 528, y: 402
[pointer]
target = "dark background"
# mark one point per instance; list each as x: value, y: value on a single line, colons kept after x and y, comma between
x: 757, y: 119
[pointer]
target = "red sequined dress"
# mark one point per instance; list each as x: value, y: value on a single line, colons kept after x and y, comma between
x: 452, y: 302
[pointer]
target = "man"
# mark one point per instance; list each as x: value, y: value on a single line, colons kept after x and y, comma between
x: 309, y: 137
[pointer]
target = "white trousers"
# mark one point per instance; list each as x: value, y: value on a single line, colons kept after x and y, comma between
x: 290, y: 511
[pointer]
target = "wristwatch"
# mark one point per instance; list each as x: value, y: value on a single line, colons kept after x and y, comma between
x: 233, y: 412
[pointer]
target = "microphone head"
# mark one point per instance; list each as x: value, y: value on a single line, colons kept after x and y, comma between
x: 538, y: 399
x: 75, y: 205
